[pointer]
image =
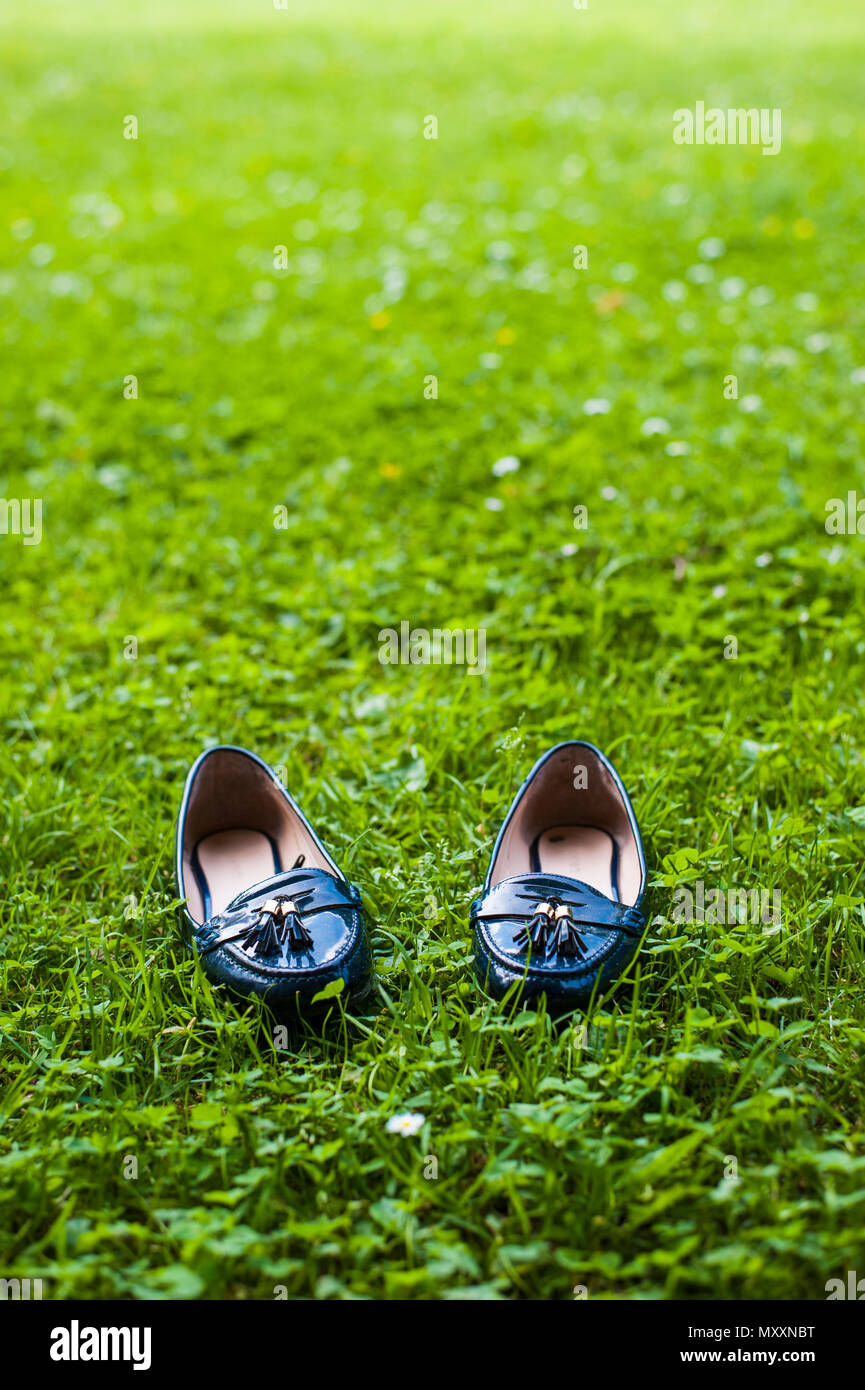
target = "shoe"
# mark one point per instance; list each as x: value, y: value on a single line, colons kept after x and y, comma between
x: 265, y: 906
x: 558, y: 915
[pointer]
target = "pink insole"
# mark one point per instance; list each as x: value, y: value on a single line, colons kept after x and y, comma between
x: 578, y: 851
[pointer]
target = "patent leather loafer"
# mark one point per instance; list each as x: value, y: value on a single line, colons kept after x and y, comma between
x: 265, y: 907
x: 559, y: 912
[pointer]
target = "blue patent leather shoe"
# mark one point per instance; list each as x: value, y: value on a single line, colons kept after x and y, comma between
x: 559, y: 913
x: 266, y: 908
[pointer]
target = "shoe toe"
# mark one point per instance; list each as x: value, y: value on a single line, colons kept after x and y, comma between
x: 287, y: 939
x: 552, y: 936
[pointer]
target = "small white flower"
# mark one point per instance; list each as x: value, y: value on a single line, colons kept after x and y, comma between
x: 624, y: 273
x: 818, y: 342
x: 677, y: 447
x: 711, y: 248
x: 494, y: 504
x: 407, y: 1124
x: 807, y: 302
x: 674, y: 291
x: 804, y: 615
x: 569, y: 549
x: 763, y: 560
x: 750, y: 404
x: 597, y: 405
x: 655, y: 424
x: 490, y: 360
x: 857, y: 376
x: 509, y: 464
x: 609, y: 494
x: 719, y: 591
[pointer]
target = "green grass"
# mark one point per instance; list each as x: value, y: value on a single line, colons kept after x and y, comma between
x: 564, y: 1158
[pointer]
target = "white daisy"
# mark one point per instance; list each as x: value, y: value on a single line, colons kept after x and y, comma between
x: 655, y: 424
x: 407, y: 1124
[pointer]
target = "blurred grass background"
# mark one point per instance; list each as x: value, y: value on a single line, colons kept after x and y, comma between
x: 564, y: 1159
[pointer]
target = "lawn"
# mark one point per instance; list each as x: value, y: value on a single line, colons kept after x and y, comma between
x: 259, y: 364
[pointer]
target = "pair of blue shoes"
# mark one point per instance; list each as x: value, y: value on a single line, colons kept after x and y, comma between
x: 270, y: 914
